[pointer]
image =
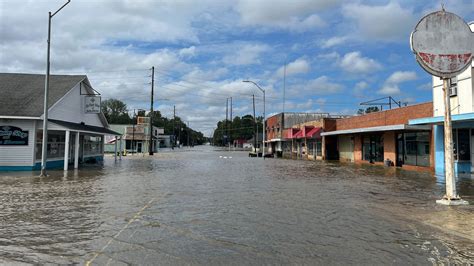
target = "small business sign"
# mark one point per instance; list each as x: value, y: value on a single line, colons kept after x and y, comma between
x: 13, y: 136
x: 92, y: 104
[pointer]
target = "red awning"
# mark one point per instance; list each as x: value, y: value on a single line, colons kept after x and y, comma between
x: 292, y: 132
x: 299, y: 134
x: 314, y: 133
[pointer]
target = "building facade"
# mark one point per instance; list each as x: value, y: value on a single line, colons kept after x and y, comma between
x: 462, y: 110
x: 385, y: 138
x: 75, y: 130
x: 135, y: 138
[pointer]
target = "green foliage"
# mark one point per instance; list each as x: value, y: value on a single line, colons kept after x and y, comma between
x: 371, y: 109
x: 239, y: 128
x: 115, y: 111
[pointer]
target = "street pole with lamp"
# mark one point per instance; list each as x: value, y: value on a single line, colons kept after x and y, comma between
x: 150, y: 147
x: 44, y: 147
x: 263, y: 122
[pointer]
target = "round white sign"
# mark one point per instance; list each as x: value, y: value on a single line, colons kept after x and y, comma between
x: 443, y: 44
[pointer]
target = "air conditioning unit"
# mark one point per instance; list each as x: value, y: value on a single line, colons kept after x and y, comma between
x: 453, y: 91
x: 453, y: 87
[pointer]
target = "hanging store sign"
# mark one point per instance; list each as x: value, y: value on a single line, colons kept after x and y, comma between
x: 92, y: 104
x: 13, y: 136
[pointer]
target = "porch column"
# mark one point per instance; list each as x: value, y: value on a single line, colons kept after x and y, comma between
x: 76, y: 151
x: 115, y: 148
x: 120, y: 150
x: 66, y: 151
x: 323, y: 148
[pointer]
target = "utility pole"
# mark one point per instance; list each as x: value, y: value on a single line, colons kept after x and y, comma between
x: 150, y: 148
x: 448, y: 144
x: 230, y: 133
x: 133, y: 131
x: 226, y: 121
x: 174, y: 126
x: 44, y: 148
x: 188, y: 134
x: 284, y: 86
x: 255, y: 134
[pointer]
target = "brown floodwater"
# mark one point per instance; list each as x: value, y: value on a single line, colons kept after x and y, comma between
x: 208, y: 206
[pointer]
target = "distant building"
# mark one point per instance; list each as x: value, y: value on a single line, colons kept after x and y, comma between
x: 135, y: 138
x: 76, y: 127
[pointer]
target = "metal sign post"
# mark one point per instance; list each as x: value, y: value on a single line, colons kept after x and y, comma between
x: 443, y: 45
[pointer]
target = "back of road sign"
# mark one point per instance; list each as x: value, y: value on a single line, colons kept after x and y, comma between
x: 443, y: 44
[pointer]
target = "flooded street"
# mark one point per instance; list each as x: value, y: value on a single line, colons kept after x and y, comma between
x: 197, y: 207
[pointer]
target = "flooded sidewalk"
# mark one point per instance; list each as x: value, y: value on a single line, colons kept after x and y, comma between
x: 193, y: 206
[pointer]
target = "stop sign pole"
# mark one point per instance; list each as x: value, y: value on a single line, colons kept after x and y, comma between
x: 443, y: 46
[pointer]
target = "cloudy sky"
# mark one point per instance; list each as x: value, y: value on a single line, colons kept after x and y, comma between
x: 337, y: 53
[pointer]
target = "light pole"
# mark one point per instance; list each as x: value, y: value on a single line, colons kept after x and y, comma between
x: 263, y: 122
x: 44, y: 148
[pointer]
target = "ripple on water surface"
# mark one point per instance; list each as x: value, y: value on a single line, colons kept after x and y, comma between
x: 193, y: 206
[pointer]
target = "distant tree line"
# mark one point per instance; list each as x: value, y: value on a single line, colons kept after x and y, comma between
x: 117, y: 112
x: 239, y: 128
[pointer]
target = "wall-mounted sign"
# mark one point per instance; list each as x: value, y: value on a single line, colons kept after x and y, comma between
x: 13, y: 136
x: 92, y: 104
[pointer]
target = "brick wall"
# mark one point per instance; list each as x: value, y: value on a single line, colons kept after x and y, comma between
x: 389, y: 146
x: 385, y: 118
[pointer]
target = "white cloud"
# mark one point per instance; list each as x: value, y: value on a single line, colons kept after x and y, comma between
x: 389, y: 22
x: 389, y: 89
x: 298, y: 66
x: 401, y: 76
x: 188, y: 52
x: 354, y: 62
x: 334, y: 41
x: 295, y: 16
x: 391, y: 84
x: 247, y: 55
x: 322, y: 85
x: 361, y: 85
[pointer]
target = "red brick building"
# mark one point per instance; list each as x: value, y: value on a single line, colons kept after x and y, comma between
x: 384, y: 138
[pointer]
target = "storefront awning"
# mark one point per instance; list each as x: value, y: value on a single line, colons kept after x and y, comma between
x: 84, y: 128
x: 314, y: 133
x: 440, y: 119
x: 377, y: 129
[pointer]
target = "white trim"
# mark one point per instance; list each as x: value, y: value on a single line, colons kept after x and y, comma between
x: 376, y: 129
x: 20, y: 117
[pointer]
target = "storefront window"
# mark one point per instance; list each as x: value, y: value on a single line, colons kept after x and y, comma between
x: 461, y: 144
x: 56, y: 144
x: 372, y: 148
x: 414, y: 148
x: 92, y: 145
x: 319, y: 148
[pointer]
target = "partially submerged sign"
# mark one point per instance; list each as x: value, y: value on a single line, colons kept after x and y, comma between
x: 10, y: 135
x: 443, y: 44
x: 92, y: 104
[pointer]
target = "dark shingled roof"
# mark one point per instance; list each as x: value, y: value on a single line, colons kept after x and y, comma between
x: 82, y: 127
x: 23, y: 94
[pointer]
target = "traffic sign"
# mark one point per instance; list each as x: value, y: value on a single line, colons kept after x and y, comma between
x: 443, y: 44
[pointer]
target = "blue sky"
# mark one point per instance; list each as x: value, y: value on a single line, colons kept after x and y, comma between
x: 337, y: 53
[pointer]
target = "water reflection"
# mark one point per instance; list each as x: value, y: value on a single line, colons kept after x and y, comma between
x: 193, y: 207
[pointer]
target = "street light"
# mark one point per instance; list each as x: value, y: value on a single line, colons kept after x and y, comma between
x: 44, y: 147
x: 263, y: 130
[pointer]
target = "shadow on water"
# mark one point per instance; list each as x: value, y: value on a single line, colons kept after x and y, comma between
x: 209, y: 206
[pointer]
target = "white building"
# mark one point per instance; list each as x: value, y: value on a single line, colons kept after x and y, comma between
x: 74, y: 136
x: 462, y: 110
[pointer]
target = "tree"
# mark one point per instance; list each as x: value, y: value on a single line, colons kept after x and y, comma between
x: 368, y: 110
x: 239, y: 128
x: 115, y: 111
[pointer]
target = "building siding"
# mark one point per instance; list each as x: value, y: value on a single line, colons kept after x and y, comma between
x: 18, y: 155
